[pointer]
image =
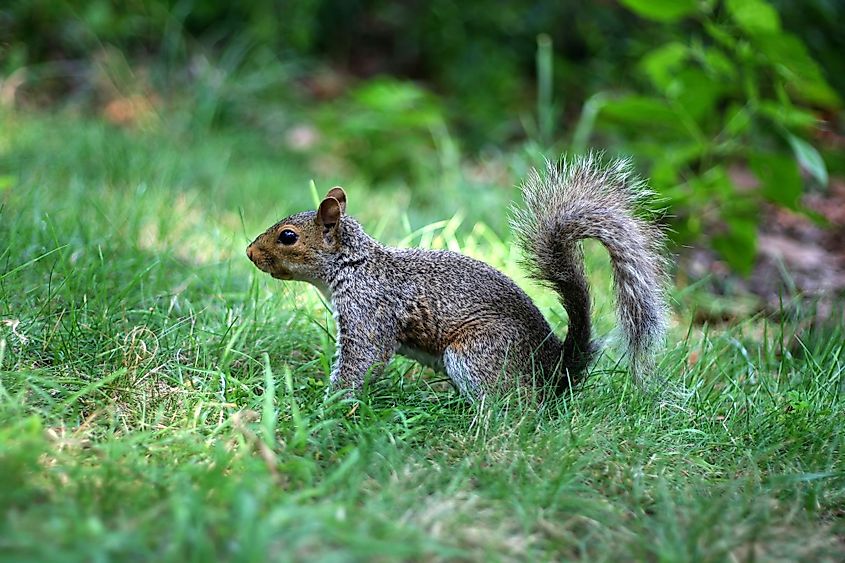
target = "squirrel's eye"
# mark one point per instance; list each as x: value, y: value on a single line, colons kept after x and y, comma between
x: 288, y: 237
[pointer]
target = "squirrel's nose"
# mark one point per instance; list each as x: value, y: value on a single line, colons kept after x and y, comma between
x: 250, y: 252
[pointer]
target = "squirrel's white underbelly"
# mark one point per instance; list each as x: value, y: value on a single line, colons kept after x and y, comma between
x: 427, y: 359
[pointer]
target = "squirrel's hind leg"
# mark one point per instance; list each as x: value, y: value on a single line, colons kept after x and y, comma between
x: 480, y: 366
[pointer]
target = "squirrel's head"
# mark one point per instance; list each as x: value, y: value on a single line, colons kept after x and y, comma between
x: 302, y: 246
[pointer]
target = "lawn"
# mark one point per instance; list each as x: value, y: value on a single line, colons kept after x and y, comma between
x: 160, y: 399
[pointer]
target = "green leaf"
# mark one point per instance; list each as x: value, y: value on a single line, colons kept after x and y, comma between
x: 790, y: 58
x: 670, y: 160
x: 662, y: 10
x: 737, y: 120
x: 786, y: 115
x: 720, y: 34
x: 696, y: 92
x: 640, y: 110
x: 754, y: 16
x: 664, y: 175
x: 659, y: 65
x: 809, y: 158
x: 780, y: 180
x: 719, y: 64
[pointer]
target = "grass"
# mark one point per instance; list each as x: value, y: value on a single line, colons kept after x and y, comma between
x: 162, y: 400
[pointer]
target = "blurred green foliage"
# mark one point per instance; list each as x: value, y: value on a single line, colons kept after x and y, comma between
x: 738, y: 92
x: 699, y: 91
x: 378, y: 124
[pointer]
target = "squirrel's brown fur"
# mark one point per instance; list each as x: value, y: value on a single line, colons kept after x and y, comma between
x: 459, y: 314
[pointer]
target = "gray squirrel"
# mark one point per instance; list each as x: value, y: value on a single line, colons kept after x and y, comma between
x: 458, y: 314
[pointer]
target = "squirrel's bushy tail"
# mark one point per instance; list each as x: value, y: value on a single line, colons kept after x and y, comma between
x: 579, y: 199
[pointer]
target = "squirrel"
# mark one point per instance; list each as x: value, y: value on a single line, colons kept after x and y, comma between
x: 458, y: 314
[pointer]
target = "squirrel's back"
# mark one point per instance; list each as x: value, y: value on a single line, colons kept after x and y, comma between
x: 447, y: 296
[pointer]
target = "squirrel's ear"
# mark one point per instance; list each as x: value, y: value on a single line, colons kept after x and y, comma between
x: 329, y: 213
x: 340, y: 195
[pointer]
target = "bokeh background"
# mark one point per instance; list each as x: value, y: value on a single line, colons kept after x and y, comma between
x: 731, y: 109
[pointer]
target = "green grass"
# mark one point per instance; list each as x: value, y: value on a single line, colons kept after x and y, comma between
x: 161, y: 400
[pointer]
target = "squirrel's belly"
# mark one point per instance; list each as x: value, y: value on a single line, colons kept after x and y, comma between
x: 427, y: 359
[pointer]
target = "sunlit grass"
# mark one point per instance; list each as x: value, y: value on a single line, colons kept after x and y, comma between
x: 161, y: 399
